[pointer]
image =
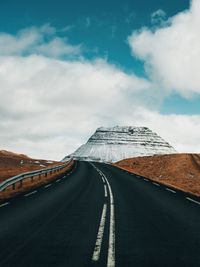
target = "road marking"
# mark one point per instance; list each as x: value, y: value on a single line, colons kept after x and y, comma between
x: 103, y: 179
x: 105, y: 191
x: 111, y: 248
x: 111, y: 241
x: 46, y: 186
x: 190, y: 199
x: 31, y: 193
x: 97, y: 249
x: 4, y: 204
x: 156, y: 184
x: 170, y: 190
x: 58, y: 181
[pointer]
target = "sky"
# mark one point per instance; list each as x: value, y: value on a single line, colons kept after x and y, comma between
x: 68, y: 67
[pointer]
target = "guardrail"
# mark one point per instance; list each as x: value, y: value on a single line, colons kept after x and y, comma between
x: 21, y: 177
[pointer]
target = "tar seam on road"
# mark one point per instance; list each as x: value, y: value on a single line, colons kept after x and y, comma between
x: 4, y: 204
x: 111, y: 241
x: 97, y: 249
x: 190, y: 199
x: 170, y: 190
x: 31, y: 193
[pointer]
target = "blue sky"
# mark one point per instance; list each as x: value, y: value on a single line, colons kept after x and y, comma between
x: 104, y: 63
x: 102, y: 27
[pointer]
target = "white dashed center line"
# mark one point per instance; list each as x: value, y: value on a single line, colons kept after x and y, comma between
x: 111, y: 241
x: 105, y: 191
x: 97, y: 249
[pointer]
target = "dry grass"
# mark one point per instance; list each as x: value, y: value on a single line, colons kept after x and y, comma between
x: 12, y: 164
x: 181, y: 171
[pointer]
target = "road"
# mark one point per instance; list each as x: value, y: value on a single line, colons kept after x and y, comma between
x: 99, y: 215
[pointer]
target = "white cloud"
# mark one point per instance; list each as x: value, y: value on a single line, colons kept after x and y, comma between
x: 181, y: 131
x: 171, y: 54
x: 58, y: 48
x: 130, y: 18
x: 49, y: 106
x: 113, y: 31
x: 158, y: 17
x: 34, y: 41
x: 87, y: 22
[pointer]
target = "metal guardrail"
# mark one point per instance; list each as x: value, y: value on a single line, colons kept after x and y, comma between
x: 20, y: 177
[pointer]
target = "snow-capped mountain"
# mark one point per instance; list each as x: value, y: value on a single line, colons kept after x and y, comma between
x: 117, y: 143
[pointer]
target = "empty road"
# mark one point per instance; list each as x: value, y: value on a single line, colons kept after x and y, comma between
x: 98, y: 215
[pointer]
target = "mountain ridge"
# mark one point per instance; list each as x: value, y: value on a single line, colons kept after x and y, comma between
x: 111, y: 144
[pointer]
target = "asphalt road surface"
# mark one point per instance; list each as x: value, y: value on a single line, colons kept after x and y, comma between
x: 99, y: 215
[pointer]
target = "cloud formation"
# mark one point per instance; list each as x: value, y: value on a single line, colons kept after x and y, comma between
x: 41, y: 41
x: 171, y: 53
x: 48, y: 106
x: 52, y: 98
x: 158, y: 17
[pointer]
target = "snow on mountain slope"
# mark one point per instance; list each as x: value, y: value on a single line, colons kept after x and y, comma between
x: 117, y: 143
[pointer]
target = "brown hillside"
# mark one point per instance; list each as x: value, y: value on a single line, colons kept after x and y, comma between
x: 180, y: 171
x: 12, y: 164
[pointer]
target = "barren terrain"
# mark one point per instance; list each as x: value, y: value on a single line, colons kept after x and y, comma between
x: 12, y: 164
x: 181, y: 171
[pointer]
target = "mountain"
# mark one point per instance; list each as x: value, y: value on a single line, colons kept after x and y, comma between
x: 117, y: 143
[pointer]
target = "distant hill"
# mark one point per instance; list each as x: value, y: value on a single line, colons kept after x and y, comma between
x: 116, y: 143
x: 12, y: 164
x: 9, y: 154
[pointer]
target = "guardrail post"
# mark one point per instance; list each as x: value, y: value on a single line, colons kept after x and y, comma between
x: 13, y: 181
